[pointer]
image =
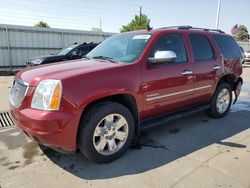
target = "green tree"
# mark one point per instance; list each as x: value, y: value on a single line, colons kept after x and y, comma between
x: 242, y: 34
x: 137, y: 23
x: 42, y: 24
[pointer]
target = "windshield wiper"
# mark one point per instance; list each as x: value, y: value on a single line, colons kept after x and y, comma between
x: 105, y: 58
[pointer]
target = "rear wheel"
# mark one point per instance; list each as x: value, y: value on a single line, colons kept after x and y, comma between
x: 106, y: 132
x: 221, y: 101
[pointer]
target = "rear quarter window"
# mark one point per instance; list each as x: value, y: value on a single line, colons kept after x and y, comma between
x: 229, y: 48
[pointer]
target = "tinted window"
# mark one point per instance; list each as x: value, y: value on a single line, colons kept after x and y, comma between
x: 77, y: 52
x: 201, y: 47
x: 229, y: 48
x: 174, y: 43
x: 92, y: 47
x: 85, y: 50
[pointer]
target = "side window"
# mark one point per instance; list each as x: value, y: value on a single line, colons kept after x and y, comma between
x: 79, y: 51
x: 228, y: 46
x: 74, y: 52
x: 84, y: 50
x: 172, y: 42
x: 92, y: 47
x: 201, y: 47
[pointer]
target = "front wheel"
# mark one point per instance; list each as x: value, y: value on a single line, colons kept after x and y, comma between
x: 106, y: 131
x: 221, y: 101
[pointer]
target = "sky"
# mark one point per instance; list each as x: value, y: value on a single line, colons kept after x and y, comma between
x: 86, y: 14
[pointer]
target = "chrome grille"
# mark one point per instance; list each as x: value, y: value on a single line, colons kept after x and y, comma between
x: 18, y: 92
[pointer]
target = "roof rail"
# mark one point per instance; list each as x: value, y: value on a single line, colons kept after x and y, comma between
x: 188, y: 27
x: 177, y: 27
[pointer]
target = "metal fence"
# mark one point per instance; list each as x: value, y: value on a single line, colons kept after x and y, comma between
x: 245, y: 45
x: 18, y: 43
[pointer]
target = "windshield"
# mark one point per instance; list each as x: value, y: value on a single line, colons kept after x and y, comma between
x: 66, y: 50
x: 123, y: 47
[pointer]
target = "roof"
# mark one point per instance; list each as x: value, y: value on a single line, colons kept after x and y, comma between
x: 187, y: 27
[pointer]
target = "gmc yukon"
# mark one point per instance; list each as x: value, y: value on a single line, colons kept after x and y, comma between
x: 128, y: 82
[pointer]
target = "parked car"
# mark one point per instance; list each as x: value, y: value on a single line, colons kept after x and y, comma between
x: 74, y: 51
x: 242, y: 53
x: 247, y: 56
x: 129, y: 82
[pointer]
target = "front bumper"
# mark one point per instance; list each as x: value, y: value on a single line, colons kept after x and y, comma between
x: 237, y: 89
x: 53, y: 129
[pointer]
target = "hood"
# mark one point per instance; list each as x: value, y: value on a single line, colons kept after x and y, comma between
x: 43, y: 57
x: 63, y: 70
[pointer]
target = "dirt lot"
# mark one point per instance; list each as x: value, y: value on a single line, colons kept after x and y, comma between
x: 195, y: 151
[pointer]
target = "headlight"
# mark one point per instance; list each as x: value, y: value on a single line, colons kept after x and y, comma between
x: 47, y: 95
x: 37, y: 61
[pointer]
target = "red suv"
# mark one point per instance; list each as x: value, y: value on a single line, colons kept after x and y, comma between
x: 128, y: 82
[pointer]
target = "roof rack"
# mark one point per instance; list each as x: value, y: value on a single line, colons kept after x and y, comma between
x: 177, y: 27
x: 188, y: 27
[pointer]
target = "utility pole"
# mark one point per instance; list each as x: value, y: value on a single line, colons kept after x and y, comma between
x: 100, y: 29
x: 218, y: 14
x: 100, y: 24
x: 140, y: 14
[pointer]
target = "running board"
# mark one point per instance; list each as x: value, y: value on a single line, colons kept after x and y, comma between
x: 164, y: 119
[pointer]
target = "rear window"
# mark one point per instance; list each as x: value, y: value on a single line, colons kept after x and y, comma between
x: 201, y: 47
x: 229, y: 48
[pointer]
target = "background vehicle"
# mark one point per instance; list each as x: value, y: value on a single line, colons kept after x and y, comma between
x: 129, y: 82
x: 74, y: 51
x: 242, y: 53
x: 247, y: 56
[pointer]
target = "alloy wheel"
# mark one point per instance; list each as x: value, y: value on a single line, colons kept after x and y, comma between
x: 110, y: 134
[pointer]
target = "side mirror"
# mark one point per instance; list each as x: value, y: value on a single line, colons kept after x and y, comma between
x: 161, y: 57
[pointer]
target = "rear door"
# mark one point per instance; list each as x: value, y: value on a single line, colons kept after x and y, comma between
x: 168, y: 87
x: 207, y: 66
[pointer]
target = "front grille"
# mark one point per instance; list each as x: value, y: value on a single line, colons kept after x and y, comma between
x: 5, y: 120
x: 18, y: 92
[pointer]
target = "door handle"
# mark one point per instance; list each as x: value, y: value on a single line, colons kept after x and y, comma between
x: 187, y: 72
x: 216, y: 67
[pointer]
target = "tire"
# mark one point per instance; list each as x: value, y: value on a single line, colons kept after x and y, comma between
x: 100, y: 124
x: 217, y: 110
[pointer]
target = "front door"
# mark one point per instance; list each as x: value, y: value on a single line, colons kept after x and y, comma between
x: 168, y: 87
